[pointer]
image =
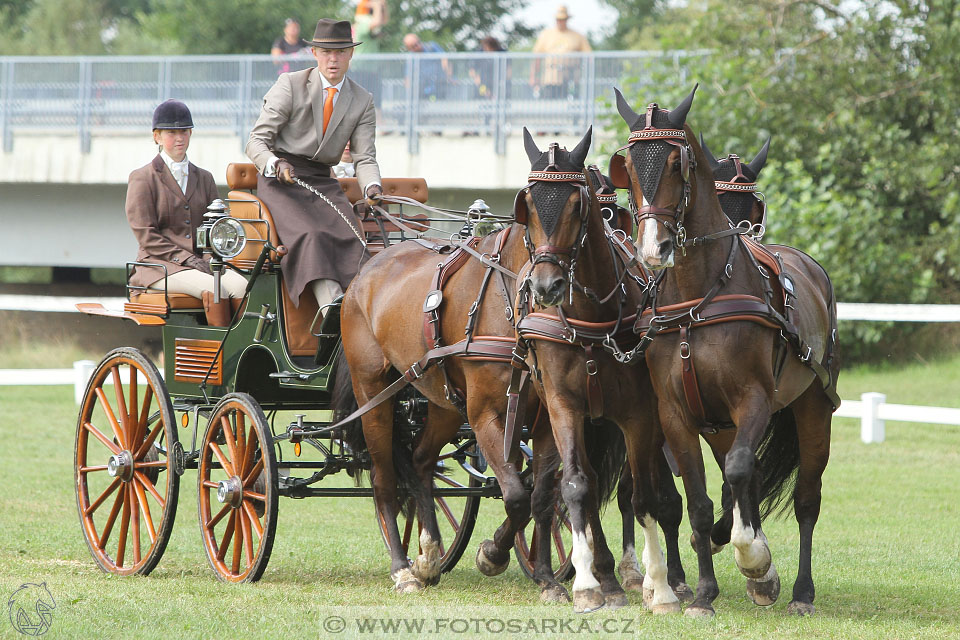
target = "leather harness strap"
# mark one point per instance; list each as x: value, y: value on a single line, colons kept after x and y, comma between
x: 691, y: 389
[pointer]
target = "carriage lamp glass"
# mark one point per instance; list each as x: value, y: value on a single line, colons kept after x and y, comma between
x: 227, y: 237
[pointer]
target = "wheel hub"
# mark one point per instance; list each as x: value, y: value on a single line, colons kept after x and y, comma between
x: 121, y: 466
x: 230, y: 491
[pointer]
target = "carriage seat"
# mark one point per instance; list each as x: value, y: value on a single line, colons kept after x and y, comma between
x: 155, y: 303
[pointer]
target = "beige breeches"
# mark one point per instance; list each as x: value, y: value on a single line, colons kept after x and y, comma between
x: 194, y: 283
x: 325, y: 290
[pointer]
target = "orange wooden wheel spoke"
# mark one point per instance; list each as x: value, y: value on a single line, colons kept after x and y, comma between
x: 99, y: 467
x: 231, y: 440
x: 122, y: 406
x: 249, y: 449
x: 532, y: 551
x: 251, y: 476
x: 145, y: 410
x: 145, y: 481
x: 227, y: 535
x: 103, y: 496
x: 124, y: 526
x: 145, y: 509
x: 134, y: 523
x: 153, y: 464
x: 252, y: 514
x: 558, y: 541
x: 111, y: 519
x: 223, y: 461
x: 247, y: 539
x: 237, y: 542
x: 102, y: 438
x: 240, y: 461
x: 142, y: 451
x: 255, y: 496
x: 217, y: 518
x: 407, y: 530
x: 449, y: 481
x: 210, y: 484
x: 445, y: 508
x: 133, y: 413
x: 111, y: 418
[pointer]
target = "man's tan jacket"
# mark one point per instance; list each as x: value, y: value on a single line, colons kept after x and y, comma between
x: 291, y: 121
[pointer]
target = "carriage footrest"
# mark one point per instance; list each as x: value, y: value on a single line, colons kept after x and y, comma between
x: 289, y: 375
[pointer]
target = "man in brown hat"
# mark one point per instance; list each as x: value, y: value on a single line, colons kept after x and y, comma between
x: 557, y: 72
x: 308, y: 117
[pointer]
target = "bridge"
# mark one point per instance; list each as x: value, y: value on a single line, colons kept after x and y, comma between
x: 72, y: 129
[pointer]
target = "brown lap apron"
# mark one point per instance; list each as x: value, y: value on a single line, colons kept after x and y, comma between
x: 320, y: 243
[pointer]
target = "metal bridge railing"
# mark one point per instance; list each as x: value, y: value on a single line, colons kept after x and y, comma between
x: 488, y: 94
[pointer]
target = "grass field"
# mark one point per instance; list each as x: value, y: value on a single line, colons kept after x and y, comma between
x: 886, y: 551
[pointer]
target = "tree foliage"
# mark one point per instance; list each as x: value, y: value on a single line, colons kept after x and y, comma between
x: 861, y: 106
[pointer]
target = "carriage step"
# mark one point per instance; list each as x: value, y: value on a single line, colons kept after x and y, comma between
x: 289, y: 375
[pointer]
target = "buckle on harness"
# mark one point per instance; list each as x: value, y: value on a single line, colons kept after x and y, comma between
x: 415, y: 372
x: 685, y: 350
x: 591, y: 367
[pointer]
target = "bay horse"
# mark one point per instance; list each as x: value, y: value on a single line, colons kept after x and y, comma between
x: 744, y: 353
x: 384, y: 330
x: 574, y: 277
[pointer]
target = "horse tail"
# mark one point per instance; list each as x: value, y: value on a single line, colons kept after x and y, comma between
x: 344, y: 402
x: 778, y: 461
x: 606, y: 452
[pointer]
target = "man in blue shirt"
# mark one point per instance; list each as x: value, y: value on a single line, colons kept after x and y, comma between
x: 434, y: 73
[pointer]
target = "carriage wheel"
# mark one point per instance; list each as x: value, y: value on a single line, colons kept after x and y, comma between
x: 237, y: 486
x: 125, y: 464
x: 561, y: 535
x: 456, y: 516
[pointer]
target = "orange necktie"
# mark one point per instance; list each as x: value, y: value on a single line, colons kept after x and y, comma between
x: 328, y: 107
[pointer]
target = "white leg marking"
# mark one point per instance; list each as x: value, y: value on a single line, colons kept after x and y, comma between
x: 583, y: 563
x: 750, y: 550
x: 589, y: 533
x: 655, y: 564
x: 427, y: 564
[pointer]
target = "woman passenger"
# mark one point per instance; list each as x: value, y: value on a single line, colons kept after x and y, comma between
x: 166, y: 200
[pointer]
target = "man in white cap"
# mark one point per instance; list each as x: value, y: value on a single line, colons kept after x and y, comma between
x: 557, y: 72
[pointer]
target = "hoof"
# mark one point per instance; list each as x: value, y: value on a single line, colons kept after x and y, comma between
x: 426, y: 567
x: 765, y: 592
x: 615, y: 600
x: 683, y: 592
x: 485, y: 564
x: 666, y: 608
x: 647, y: 598
x: 798, y: 608
x: 554, y: 594
x: 714, y: 547
x: 405, y: 582
x: 587, y: 600
x: 631, y: 577
x: 633, y: 584
x: 700, y: 612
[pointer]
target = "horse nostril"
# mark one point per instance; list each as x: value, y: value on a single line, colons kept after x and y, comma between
x: 666, y: 247
x: 555, y: 290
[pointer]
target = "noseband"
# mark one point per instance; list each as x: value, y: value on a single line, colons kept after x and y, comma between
x: 672, y: 219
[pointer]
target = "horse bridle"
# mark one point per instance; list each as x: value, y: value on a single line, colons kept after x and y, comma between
x: 740, y: 183
x: 672, y: 219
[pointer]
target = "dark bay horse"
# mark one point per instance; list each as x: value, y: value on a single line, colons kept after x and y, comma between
x: 575, y: 276
x: 383, y: 329
x: 742, y: 356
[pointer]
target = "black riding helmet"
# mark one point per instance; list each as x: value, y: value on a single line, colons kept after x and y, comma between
x: 172, y: 114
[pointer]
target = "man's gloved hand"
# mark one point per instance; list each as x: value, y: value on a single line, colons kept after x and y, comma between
x: 285, y: 173
x: 374, y: 194
x: 199, y: 264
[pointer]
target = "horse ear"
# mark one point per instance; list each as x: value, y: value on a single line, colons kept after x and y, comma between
x: 679, y: 115
x: 579, y: 154
x: 533, y: 153
x: 756, y: 165
x: 711, y: 159
x: 629, y: 116
x: 520, y: 214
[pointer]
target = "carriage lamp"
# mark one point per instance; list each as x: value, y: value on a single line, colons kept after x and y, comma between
x: 220, y: 236
x: 476, y: 211
x: 227, y: 237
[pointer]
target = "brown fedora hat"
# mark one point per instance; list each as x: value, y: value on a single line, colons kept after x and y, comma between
x: 332, y: 34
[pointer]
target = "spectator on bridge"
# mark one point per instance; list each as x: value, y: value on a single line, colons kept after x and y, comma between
x: 434, y: 73
x: 288, y: 44
x: 368, y: 23
x: 288, y: 143
x: 558, y: 73
x: 482, y: 72
x: 166, y: 200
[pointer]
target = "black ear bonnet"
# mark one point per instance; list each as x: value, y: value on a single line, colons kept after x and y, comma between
x: 549, y: 195
x: 736, y: 182
x: 649, y: 158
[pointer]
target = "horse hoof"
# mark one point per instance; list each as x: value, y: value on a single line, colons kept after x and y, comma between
x: 798, y: 608
x: 665, y: 608
x: 615, y: 600
x: 486, y: 564
x: 700, y: 612
x: 587, y: 600
x: 714, y: 547
x: 426, y: 567
x: 647, y: 598
x: 633, y: 584
x: 683, y: 592
x: 554, y: 594
x: 405, y: 582
x: 766, y: 591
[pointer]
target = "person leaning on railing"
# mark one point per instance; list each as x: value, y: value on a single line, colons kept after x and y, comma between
x: 166, y: 200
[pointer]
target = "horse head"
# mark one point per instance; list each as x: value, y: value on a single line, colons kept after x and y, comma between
x: 736, y: 185
x: 554, y: 207
x: 656, y: 168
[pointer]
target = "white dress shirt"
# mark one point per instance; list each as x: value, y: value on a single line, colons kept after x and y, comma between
x: 180, y: 170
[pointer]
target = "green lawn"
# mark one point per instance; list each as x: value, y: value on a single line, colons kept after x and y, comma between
x: 886, y: 552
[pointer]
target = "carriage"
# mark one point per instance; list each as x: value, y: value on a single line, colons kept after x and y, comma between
x: 234, y: 389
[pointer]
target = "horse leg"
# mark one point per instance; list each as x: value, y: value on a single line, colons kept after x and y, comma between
x: 813, y: 414
x: 670, y: 511
x: 603, y: 560
x: 493, y: 556
x: 440, y: 428
x: 720, y: 443
x: 630, y: 572
x: 543, y: 504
